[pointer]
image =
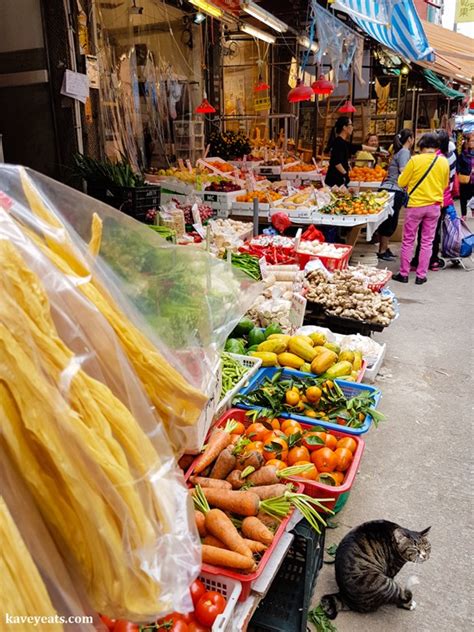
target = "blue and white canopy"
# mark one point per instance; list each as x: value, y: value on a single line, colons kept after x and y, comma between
x: 393, y: 23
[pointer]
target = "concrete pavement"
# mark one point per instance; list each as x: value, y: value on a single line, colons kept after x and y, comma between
x: 417, y: 466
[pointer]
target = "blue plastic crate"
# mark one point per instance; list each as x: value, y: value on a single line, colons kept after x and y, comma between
x: 350, y: 389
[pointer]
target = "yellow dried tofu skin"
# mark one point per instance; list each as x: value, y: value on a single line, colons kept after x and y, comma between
x: 22, y: 591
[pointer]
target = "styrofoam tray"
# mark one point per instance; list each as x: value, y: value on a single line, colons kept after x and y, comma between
x: 253, y: 365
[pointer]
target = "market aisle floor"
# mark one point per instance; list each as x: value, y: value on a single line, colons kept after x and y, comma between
x: 417, y: 467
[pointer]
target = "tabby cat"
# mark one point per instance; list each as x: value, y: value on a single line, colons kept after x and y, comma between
x: 367, y: 560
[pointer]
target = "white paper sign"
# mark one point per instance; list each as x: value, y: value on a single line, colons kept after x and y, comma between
x: 297, y: 311
x: 75, y: 85
x: 92, y: 69
x: 200, y: 230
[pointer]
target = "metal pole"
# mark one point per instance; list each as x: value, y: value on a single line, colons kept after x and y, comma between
x: 255, y: 217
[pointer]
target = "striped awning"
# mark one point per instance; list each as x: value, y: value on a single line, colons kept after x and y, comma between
x: 393, y: 23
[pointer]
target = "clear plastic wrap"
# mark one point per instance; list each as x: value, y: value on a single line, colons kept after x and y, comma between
x: 148, y: 290
x: 35, y: 581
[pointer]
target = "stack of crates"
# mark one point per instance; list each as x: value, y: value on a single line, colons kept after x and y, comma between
x: 285, y: 607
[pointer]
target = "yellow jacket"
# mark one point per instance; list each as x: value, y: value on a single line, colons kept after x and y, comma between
x: 431, y: 190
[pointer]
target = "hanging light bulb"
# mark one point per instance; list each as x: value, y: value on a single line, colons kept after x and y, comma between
x: 205, y: 107
x: 300, y: 93
x: 322, y: 86
x: 347, y: 108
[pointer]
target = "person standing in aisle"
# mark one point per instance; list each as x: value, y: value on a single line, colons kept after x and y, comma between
x: 425, y: 177
x: 444, y: 150
x: 466, y: 173
x: 341, y: 151
x: 402, y: 144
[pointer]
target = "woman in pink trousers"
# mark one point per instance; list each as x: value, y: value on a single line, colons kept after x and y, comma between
x: 425, y: 178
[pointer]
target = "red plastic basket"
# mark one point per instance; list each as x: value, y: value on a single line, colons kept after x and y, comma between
x: 331, y: 263
x: 246, y: 579
x: 314, y: 489
x: 378, y: 287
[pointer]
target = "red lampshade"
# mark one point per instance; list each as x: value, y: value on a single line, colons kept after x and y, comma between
x: 347, y: 108
x: 471, y: 105
x: 322, y: 86
x: 261, y: 86
x: 205, y: 108
x: 300, y: 93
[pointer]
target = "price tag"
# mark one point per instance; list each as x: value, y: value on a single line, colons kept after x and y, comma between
x: 210, y: 197
x: 297, y: 311
x: 266, y: 171
x: 189, y: 166
x: 200, y: 230
x: 196, y: 214
x: 263, y: 267
x: 298, y: 238
x: 181, y: 164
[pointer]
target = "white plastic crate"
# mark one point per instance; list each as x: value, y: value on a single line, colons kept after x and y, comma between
x: 373, y: 368
x: 230, y: 589
x: 221, y: 200
x: 253, y: 365
x: 267, y: 170
x: 314, y: 176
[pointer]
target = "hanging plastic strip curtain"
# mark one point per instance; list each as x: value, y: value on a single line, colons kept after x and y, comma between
x: 393, y: 23
x: 338, y: 42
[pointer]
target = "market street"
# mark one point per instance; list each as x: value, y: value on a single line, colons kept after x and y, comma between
x: 416, y: 466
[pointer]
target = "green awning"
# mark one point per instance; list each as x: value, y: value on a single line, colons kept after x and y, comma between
x: 437, y: 83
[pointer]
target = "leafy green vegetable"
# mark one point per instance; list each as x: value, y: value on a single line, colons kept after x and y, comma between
x: 320, y: 620
x: 106, y: 172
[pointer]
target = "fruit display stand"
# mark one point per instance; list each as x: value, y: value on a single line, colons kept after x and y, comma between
x: 360, y: 185
x: 356, y: 222
x: 221, y: 201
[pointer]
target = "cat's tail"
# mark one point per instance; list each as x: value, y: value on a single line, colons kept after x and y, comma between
x: 331, y: 604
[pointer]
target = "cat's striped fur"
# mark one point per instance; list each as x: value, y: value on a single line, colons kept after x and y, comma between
x: 367, y: 560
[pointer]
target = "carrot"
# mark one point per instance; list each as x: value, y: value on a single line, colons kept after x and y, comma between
x: 185, y: 461
x: 250, y: 459
x: 235, y: 438
x: 221, y: 527
x: 266, y: 475
x: 269, y: 491
x: 210, y: 482
x: 270, y: 522
x: 241, y: 503
x: 224, y: 464
x: 229, y: 559
x: 235, y: 479
x: 254, y: 546
x: 218, y: 441
x: 210, y: 540
x: 254, y: 529
x: 200, y: 522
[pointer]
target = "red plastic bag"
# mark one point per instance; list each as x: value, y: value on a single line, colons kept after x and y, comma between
x: 312, y: 234
x: 281, y: 222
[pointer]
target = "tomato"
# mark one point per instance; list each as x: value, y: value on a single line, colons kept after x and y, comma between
x: 239, y: 428
x: 311, y: 474
x: 109, y: 623
x: 280, y: 465
x: 324, y: 459
x: 313, y: 394
x: 174, y: 622
x: 209, y: 607
x: 330, y: 441
x: 122, y: 625
x: 343, y: 459
x: 298, y: 453
x: 197, y: 590
x: 277, y: 449
x: 254, y: 446
x: 256, y: 431
x: 195, y: 626
x: 314, y: 436
x: 292, y: 398
x: 349, y: 443
x: 189, y: 618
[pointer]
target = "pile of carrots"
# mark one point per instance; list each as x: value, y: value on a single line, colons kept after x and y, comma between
x: 240, y: 501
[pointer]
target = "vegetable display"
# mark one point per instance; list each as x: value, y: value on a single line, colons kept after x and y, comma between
x: 249, y: 264
x: 316, y: 398
x: 345, y: 295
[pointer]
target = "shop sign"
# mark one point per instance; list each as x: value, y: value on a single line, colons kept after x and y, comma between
x: 465, y: 11
x: 263, y: 103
